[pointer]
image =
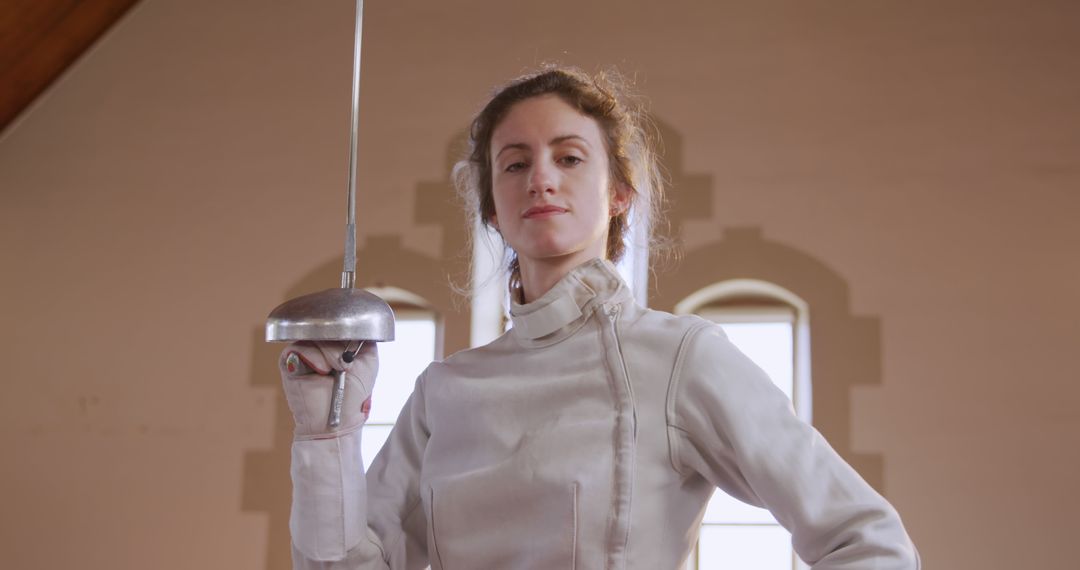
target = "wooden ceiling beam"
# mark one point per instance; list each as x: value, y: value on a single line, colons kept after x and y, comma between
x: 39, y: 39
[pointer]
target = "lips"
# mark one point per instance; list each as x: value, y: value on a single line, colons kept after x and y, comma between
x: 543, y: 211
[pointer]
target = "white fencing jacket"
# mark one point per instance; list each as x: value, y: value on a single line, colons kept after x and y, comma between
x: 589, y: 436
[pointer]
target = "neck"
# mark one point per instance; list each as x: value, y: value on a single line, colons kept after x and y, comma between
x: 538, y: 276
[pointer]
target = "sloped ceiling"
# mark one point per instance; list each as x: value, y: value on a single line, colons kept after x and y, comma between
x: 39, y: 39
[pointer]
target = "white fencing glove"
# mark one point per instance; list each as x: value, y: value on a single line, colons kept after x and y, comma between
x: 308, y: 378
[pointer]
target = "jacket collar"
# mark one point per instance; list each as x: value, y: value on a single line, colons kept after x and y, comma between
x: 566, y: 306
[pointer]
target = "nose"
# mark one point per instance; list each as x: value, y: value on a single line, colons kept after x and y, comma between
x: 542, y: 179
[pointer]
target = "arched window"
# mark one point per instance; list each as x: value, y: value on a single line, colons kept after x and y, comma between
x: 417, y: 340
x: 771, y: 326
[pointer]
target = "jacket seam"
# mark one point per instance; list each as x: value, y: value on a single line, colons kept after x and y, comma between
x: 341, y: 499
x: 434, y: 541
x: 673, y: 394
x: 573, y: 524
x: 621, y: 482
x: 331, y: 435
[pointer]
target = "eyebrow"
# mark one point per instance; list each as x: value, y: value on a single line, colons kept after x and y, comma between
x: 552, y: 142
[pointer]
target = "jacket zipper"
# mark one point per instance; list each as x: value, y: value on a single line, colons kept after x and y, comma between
x: 617, y: 557
x: 613, y: 312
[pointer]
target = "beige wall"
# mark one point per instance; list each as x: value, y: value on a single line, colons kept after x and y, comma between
x: 188, y: 174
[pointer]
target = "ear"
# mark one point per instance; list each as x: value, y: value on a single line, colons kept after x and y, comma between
x: 494, y: 221
x: 620, y: 198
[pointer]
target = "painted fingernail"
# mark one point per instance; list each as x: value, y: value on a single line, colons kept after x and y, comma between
x: 292, y: 362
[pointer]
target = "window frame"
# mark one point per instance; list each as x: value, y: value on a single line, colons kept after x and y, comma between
x: 752, y: 300
x: 731, y: 291
x: 407, y: 306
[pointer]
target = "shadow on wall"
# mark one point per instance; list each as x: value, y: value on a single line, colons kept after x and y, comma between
x: 382, y: 261
x: 845, y: 349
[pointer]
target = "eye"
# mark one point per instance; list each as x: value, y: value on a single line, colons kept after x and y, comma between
x: 571, y: 160
x: 514, y: 166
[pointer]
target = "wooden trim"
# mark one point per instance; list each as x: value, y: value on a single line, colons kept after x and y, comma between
x: 41, y: 39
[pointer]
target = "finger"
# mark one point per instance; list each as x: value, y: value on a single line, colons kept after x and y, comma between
x: 311, y: 357
x: 295, y: 366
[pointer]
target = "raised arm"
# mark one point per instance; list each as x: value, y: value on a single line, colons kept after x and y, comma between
x: 730, y: 424
x: 341, y: 518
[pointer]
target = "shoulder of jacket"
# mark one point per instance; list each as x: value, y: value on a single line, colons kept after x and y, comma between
x: 649, y: 316
x: 667, y: 325
x: 467, y: 358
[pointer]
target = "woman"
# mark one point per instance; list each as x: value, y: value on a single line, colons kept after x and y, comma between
x: 593, y: 433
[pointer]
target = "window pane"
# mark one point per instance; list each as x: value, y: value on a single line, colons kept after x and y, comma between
x: 724, y: 508
x: 766, y: 335
x: 744, y: 548
x: 769, y: 345
x: 371, y: 441
x: 400, y: 362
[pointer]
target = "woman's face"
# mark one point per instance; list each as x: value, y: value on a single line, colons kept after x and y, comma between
x: 551, y: 182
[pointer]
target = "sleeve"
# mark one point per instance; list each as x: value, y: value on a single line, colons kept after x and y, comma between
x: 731, y: 425
x: 343, y: 518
